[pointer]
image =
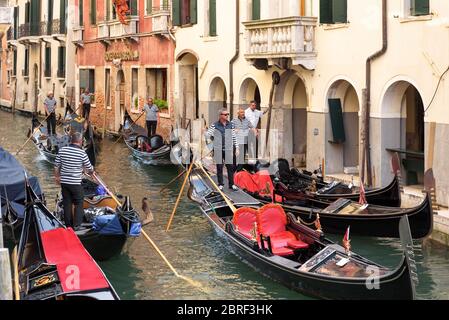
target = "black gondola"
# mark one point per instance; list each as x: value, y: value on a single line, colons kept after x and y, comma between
x: 52, y: 263
x: 310, y: 263
x: 365, y: 220
x: 105, y: 229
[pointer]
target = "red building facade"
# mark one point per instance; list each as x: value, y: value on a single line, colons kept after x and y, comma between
x: 124, y: 64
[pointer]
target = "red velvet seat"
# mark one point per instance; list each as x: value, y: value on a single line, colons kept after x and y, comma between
x: 244, y: 180
x: 272, y: 222
x: 265, y: 185
x: 244, y: 220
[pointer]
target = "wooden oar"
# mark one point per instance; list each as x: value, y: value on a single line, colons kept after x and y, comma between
x: 32, y: 134
x: 134, y: 121
x: 190, y: 281
x: 16, y: 273
x: 179, y: 196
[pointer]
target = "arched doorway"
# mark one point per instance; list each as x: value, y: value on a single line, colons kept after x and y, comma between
x: 343, y: 136
x: 403, y: 131
x: 188, y: 100
x: 290, y: 104
x: 119, y: 99
x: 249, y: 91
x: 217, y: 98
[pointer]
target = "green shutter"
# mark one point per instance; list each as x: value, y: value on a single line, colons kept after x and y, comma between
x: 93, y: 12
x: 16, y: 22
x: 193, y: 11
x: 326, y: 11
x: 340, y: 11
x: 176, y: 12
x: 420, y: 7
x: 14, y: 67
x: 134, y: 8
x: 35, y: 17
x: 62, y: 16
x: 61, y: 59
x: 27, y: 12
x: 81, y: 12
x: 336, y: 114
x: 26, y: 64
x: 255, y: 11
x: 149, y: 6
x: 108, y: 10
x: 212, y: 17
x: 48, y: 61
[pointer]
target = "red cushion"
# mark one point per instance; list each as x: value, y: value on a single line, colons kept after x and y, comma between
x: 283, y: 251
x: 271, y: 219
x: 264, y: 183
x: 297, y: 244
x: 244, y: 180
x: 244, y: 220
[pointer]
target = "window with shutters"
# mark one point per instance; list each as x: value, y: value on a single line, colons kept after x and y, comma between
x: 63, y: 16
x: 135, y: 89
x: 133, y: 7
x: 47, y: 70
x: 148, y: 6
x: 81, y: 12
x: 333, y: 11
x: 87, y: 80
x: 419, y: 7
x: 184, y: 12
x: 26, y: 65
x: 61, y: 62
x: 93, y: 12
x: 212, y: 18
x: 255, y: 10
x: 14, y: 66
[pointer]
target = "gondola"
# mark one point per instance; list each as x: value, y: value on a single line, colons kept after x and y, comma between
x: 48, y: 146
x: 276, y: 245
x: 149, y: 150
x: 105, y: 230
x: 364, y: 219
x: 317, y: 193
x: 52, y: 263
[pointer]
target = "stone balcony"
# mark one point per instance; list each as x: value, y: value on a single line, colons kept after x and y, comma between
x: 275, y: 41
x: 160, y: 20
x: 103, y: 30
x: 119, y: 30
x: 78, y: 36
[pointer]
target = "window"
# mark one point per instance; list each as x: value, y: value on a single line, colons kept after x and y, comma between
x: 419, y: 7
x: 81, y: 12
x: 47, y: 70
x: 87, y: 80
x: 61, y: 62
x: 333, y: 11
x: 26, y: 66
x: 184, y: 12
x: 149, y: 6
x: 255, y: 10
x: 62, y: 16
x: 156, y: 83
x: 14, y: 67
x: 93, y: 12
x: 107, y: 85
x: 212, y: 18
x: 133, y: 7
x: 49, y: 17
x: 134, y: 89
x: 16, y: 23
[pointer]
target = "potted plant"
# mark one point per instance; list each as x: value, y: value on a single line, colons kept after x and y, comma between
x: 162, y: 105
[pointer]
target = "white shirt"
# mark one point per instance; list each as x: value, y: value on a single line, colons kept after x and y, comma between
x: 253, y: 116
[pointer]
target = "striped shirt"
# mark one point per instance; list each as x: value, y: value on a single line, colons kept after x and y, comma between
x: 242, y: 127
x: 224, y: 136
x: 71, y: 161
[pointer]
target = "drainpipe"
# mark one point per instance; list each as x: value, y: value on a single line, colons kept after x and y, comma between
x: 234, y: 58
x: 366, y: 155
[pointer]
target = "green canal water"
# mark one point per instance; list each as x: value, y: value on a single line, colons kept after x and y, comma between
x: 192, y: 246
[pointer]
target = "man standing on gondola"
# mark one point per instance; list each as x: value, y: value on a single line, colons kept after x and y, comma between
x: 70, y: 163
x: 225, y: 146
x: 151, y: 111
x: 50, y: 109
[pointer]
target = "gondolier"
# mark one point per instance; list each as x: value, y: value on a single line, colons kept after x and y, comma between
x: 151, y: 111
x: 50, y: 108
x: 225, y: 142
x: 86, y: 100
x: 69, y: 165
x: 254, y: 115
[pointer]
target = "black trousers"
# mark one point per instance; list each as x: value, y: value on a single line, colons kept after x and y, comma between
x: 240, y: 160
x: 72, y: 195
x: 51, y: 124
x: 229, y: 167
x: 151, y: 127
x: 86, y: 111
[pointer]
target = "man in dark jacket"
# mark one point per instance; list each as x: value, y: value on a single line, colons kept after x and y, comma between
x: 225, y: 144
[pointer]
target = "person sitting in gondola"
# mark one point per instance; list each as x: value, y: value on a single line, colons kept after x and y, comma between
x: 143, y: 146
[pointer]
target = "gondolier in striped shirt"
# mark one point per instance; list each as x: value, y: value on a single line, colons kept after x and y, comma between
x: 225, y: 146
x: 70, y: 163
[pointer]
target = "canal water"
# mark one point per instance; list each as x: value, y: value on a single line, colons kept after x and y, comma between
x: 192, y: 246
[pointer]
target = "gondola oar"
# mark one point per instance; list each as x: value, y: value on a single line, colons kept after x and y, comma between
x: 31, y: 135
x: 190, y: 281
x: 179, y: 196
x: 121, y: 136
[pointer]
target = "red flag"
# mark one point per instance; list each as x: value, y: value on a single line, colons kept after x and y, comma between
x: 346, y: 241
x: 362, y: 199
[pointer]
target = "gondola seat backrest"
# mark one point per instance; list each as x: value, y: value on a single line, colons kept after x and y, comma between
x: 272, y: 223
x: 244, y: 220
x: 265, y: 184
x: 244, y: 180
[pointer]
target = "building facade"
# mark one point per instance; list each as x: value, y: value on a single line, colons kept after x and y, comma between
x: 336, y: 60
x: 38, y: 46
x: 124, y: 64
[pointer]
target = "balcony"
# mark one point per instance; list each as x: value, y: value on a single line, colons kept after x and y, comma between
x: 103, y: 30
x: 160, y: 20
x: 29, y: 33
x: 118, y: 30
x: 78, y: 36
x: 278, y: 40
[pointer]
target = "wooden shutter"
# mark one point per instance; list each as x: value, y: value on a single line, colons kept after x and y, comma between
x: 340, y: 11
x: 48, y: 61
x: 176, y: 12
x: 50, y: 10
x: 62, y: 16
x: 149, y: 6
x: 14, y: 67
x: 212, y: 17
x: 420, y: 7
x: 326, y: 11
x: 133, y: 8
x: 26, y: 64
x: 81, y: 12
x: 193, y: 11
x: 108, y: 10
x: 61, y: 59
x: 336, y: 114
x: 27, y: 12
x: 16, y: 23
x: 35, y: 17
x: 93, y: 12
x: 255, y: 10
